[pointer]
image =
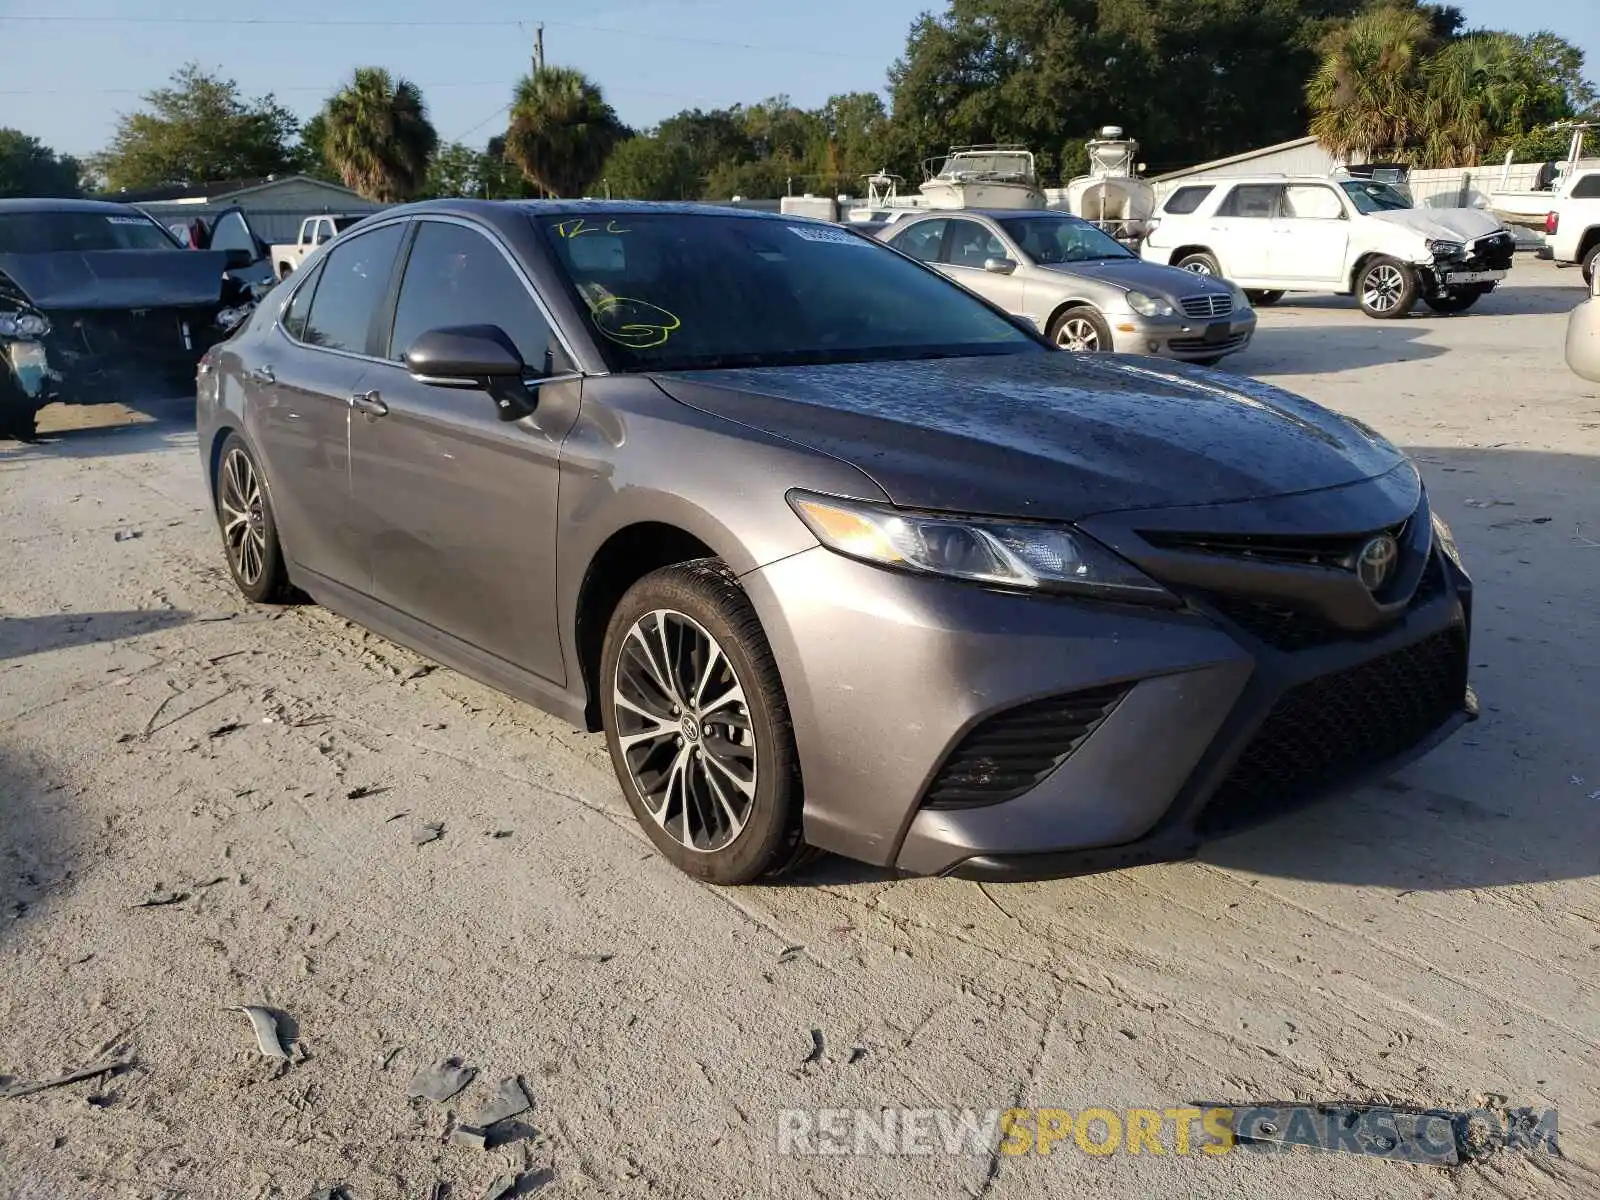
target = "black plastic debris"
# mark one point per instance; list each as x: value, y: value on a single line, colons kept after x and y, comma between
x: 362, y: 792
x: 127, y: 535
x: 816, y: 1047
x: 161, y: 898
x: 1378, y: 1131
x: 440, y: 1081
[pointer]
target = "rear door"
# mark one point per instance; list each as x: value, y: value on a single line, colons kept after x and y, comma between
x: 1311, y: 236
x: 1241, y: 230
x: 458, y: 507
x: 302, y: 385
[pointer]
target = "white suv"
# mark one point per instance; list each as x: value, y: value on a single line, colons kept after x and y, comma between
x: 1272, y: 234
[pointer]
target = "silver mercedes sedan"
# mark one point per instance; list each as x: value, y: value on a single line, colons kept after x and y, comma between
x: 1084, y: 289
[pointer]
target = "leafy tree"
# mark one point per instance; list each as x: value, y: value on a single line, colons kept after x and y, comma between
x: 561, y: 130
x: 711, y: 138
x: 651, y: 168
x: 1367, y: 97
x: 197, y: 131
x: 766, y: 179
x: 456, y: 170
x: 379, y: 137
x: 1482, y: 88
x: 501, y: 178
x: 30, y: 168
x: 309, y: 156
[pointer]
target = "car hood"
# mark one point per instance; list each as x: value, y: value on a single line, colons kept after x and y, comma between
x: 117, y: 278
x: 1452, y: 224
x: 1134, y: 274
x: 1052, y: 435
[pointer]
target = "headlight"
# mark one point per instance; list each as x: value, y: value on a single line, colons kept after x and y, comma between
x: 1012, y: 554
x: 1443, y: 249
x: 1446, y: 540
x: 228, y: 318
x: 23, y: 325
x: 1149, y: 306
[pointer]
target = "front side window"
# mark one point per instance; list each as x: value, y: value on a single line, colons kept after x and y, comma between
x: 971, y: 245
x: 1370, y: 196
x: 457, y: 276
x: 84, y: 230
x: 1062, y: 239
x: 1313, y: 202
x: 686, y: 291
x: 922, y: 240
x: 294, y: 317
x: 1187, y: 199
x: 1257, y: 200
x: 355, y: 279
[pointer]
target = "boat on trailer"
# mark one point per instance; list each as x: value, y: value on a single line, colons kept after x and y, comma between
x: 996, y: 176
x: 1112, y: 195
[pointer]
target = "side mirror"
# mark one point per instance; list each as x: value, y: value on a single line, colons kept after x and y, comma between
x: 999, y: 266
x: 237, y: 258
x: 473, y: 356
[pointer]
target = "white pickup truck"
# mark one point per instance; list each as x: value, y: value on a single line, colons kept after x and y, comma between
x: 313, y: 232
x: 1572, y: 230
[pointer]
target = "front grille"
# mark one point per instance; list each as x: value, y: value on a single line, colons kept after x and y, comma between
x: 1212, y: 304
x: 1335, y: 726
x: 1493, y: 253
x: 1013, y: 751
x: 1335, y: 550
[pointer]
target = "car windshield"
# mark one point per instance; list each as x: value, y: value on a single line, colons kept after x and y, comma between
x: 686, y: 291
x: 1049, y: 240
x: 1369, y: 196
x: 47, y: 232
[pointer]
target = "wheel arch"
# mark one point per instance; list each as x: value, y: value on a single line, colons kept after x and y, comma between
x: 1183, y: 252
x: 1587, y: 241
x: 1059, y: 309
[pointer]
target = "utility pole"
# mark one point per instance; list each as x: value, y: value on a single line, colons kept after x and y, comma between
x: 538, y: 47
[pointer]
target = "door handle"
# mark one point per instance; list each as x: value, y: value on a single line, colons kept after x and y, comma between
x: 370, y: 403
x: 262, y: 374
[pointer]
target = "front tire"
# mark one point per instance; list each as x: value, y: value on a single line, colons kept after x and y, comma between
x: 698, y: 726
x: 1081, y: 329
x: 249, y: 530
x: 1201, y: 263
x: 1386, y: 288
x: 1264, y: 299
x: 1456, y: 301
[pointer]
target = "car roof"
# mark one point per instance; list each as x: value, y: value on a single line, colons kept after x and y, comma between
x: 504, y: 212
x: 48, y: 205
x: 994, y: 214
x: 1181, y: 183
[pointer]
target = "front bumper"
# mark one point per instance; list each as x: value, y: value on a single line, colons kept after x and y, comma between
x: 90, y: 357
x: 890, y: 677
x: 1182, y: 338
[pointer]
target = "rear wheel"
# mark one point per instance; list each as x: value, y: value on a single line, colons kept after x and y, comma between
x: 249, y: 530
x: 1201, y: 263
x: 1082, y: 329
x: 698, y: 726
x: 1455, y: 301
x: 1264, y: 299
x: 1386, y: 288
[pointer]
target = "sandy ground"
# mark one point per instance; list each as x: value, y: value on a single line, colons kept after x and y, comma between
x: 1431, y: 941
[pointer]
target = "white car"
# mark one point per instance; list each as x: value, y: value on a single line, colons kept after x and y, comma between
x: 287, y: 256
x: 1276, y: 234
x: 1572, y: 230
x: 1583, y: 333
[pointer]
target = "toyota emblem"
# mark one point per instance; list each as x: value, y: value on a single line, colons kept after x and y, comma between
x: 1376, y: 562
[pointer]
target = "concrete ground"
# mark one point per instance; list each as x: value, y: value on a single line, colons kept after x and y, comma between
x: 1431, y: 941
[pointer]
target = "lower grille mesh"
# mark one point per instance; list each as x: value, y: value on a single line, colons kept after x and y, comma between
x: 1013, y: 751
x: 1333, y: 726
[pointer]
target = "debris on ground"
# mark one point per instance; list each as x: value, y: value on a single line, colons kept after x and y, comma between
x: 114, y: 1066
x: 510, y: 1100
x: 365, y: 790
x: 857, y: 1053
x: 440, y: 1081
x: 428, y: 831
x: 1470, y: 503
x: 266, y: 1028
x: 1377, y: 1130
x: 127, y: 535
x: 816, y: 1047
x: 503, y: 1186
x: 497, y: 833
x: 790, y: 953
x: 224, y: 730
x: 336, y: 1192
x: 417, y: 672
x: 473, y: 1137
x: 161, y: 897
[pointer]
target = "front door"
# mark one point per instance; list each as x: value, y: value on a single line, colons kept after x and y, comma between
x: 1311, y: 236
x: 457, y: 507
x: 967, y: 246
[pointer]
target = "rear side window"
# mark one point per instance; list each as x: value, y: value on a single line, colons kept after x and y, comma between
x: 921, y: 240
x: 1252, y: 200
x: 294, y: 317
x: 457, y: 276
x: 355, y: 279
x: 1587, y: 188
x: 1187, y: 199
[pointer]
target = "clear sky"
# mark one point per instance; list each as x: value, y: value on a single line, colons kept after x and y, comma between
x: 65, y: 79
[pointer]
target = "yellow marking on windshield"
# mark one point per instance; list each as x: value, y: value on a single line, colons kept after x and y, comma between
x: 578, y: 226
x: 636, y: 324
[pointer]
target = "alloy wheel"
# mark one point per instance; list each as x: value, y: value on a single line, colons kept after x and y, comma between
x: 1197, y: 267
x: 1383, y: 288
x: 1076, y: 333
x: 243, y: 520
x: 684, y: 728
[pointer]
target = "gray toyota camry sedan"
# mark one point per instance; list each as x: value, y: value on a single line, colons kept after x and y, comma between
x: 836, y: 554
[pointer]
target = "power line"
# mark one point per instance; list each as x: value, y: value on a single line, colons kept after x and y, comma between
x: 128, y: 91
x: 386, y: 22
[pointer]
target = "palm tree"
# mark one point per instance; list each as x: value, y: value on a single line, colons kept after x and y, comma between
x: 1366, y: 96
x: 1479, y: 88
x: 379, y: 137
x: 561, y: 130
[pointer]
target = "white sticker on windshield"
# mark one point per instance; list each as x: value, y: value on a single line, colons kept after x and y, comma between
x: 836, y: 237
x: 126, y: 221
